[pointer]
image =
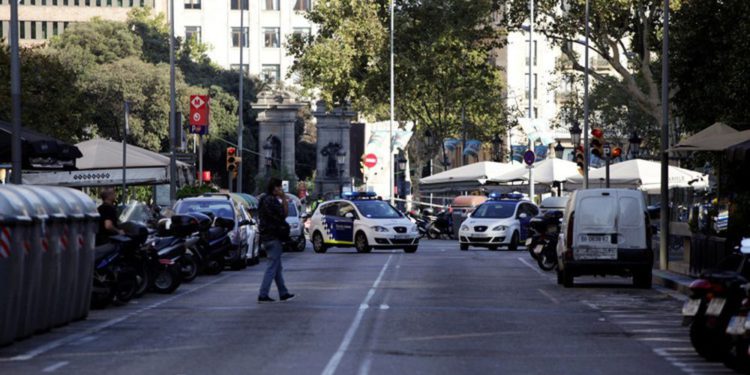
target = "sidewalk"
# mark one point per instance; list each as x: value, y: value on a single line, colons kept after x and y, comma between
x: 672, y: 280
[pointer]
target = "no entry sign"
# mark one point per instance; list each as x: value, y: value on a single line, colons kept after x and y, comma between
x: 371, y: 160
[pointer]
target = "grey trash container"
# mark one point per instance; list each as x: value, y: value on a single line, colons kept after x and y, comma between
x: 32, y: 270
x: 70, y: 280
x: 14, y: 225
x: 50, y: 285
x: 87, y: 228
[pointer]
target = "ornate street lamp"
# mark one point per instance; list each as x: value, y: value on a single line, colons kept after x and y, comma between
x: 268, y: 153
x: 575, y: 134
x: 497, y: 148
x: 559, y: 150
x: 401, y: 162
x: 428, y: 137
x: 341, y: 159
x: 635, y: 145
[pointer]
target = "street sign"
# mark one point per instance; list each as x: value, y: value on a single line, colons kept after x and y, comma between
x: 529, y: 157
x: 371, y: 160
x: 199, y: 114
x: 285, y: 186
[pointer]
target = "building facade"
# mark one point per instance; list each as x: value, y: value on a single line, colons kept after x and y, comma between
x: 267, y: 25
x: 40, y: 20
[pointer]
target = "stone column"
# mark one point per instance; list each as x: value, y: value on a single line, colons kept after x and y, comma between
x: 333, y: 128
x: 276, y: 118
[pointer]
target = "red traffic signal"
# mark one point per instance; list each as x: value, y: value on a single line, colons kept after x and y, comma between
x: 233, y: 160
x: 597, y: 143
x: 580, y: 159
x: 616, y: 152
x: 597, y: 133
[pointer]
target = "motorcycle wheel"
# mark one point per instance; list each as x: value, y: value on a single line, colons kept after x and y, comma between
x: 738, y: 359
x: 215, y: 266
x: 125, y: 291
x: 708, y: 343
x: 432, y: 234
x: 168, y: 280
x: 142, y: 279
x: 546, y: 262
x: 189, y: 268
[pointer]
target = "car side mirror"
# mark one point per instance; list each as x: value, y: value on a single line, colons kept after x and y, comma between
x: 252, y: 222
x: 225, y: 223
x: 245, y: 222
x: 305, y: 216
x: 523, y: 215
x: 349, y: 215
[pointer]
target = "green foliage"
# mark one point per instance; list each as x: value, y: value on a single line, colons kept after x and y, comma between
x: 154, y: 33
x: 709, y: 57
x: 106, y: 40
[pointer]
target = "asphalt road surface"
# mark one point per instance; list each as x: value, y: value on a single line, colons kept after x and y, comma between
x: 438, y: 311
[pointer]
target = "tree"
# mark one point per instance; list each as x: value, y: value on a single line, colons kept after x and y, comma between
x: 709, y: 58
x: 442, y: 54
x: 107, y: 41
x: 625, y: 33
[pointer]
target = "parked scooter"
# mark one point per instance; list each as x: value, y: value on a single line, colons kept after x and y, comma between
x: 163, y: 254
x: 115, y: 277
x: 542, y: 243
x: 419, y: 220
x: 715, y: 298
x: 441, y: 226
x: 212, y: 243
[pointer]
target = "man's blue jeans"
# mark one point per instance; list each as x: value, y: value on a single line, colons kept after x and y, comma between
x: 273, y: 270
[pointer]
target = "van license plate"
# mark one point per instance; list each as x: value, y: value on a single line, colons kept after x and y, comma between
x: 594, y: 253
x: 691, y: 307
x: 597, y: 238
x: 736, y: 325
x: 715, y: 307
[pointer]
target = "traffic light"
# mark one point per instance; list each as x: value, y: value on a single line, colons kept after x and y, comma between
x: 597, y: 143
x: 580, y: 160
x: 616, y: 152
x: 233, y: 161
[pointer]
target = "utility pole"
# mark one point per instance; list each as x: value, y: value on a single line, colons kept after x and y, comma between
x: 531, y: 97
x: 241, y: 126
x: 390, y: 126
x: 172, y: 109
x: 586, y: 146
x: 125, y: 153
x: 664, y: 207
x: 15, y: 94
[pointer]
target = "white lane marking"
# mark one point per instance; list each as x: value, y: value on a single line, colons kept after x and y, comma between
x: 81, y: 335
x: 384, y: 307
x: 461, y: 336
x: 335, y: 360
x: 364, y: 369
x: 535, y: 268
x: 549, y: 296
x: 55, y: 367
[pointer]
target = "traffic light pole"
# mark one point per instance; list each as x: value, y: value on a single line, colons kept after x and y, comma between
x: 200, y: 159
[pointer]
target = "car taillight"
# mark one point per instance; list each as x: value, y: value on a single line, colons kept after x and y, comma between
x: 700, y: 284
x: 569, y: 232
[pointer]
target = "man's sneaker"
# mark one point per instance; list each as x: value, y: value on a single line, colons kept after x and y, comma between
x: 286, y: 297
x: 265, y: 299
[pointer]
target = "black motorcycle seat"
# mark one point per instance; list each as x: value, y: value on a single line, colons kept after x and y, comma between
x: 215, y: 233
x: 162, y: 242
x: 101, y: 252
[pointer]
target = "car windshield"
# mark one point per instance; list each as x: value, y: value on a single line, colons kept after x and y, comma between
x: 377, y: 210
x: 219, y: 208
x: 292, y: 210
x: 495, y: 210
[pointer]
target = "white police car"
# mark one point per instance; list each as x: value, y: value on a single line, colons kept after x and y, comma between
x: 364, y: 222
x: 503, y: 220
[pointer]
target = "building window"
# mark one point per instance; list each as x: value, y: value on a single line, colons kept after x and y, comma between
x: 192, y: 4
x: 270, y: 4
x: 54, y: 28
x: 302, y: 5
x: 535, y: 54
x: 271, y: 37
x: 536, y: 112
x: 109, y: 3
x: 22, y: 30
x: 33, y: 30
x: 54, y: 2
x: 44, y: 30
x: 193, y: 32
x: 301, y: 32
x: 236, y: 36
x: 235, y: 4
x: 236, y: 67
x: 119, y: 3
x: 87, y: 3
x: 270, y: 72
x: 526, y: 87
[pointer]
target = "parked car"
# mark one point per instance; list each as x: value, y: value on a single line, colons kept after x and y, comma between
x: 295, y: 220
x: 503, y: 220
x: 362, y: 221
x: 605, y: 232
x: 461, y: 206
x: 222, y: 205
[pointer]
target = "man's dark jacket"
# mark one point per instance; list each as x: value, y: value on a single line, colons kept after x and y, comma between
x: 272, y: 223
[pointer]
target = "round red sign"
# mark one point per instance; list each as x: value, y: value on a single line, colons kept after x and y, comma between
x: 371, y: 160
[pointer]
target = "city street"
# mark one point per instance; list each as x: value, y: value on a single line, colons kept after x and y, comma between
x: 438, y: 311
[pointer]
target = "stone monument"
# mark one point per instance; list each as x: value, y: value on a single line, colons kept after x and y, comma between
x: 277, y: 114
x: 333, y: 149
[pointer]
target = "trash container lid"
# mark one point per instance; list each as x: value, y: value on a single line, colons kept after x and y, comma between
x: 36, y: 207
x: 70, y: 204
x: 53, y: 203
x: 82, y: 204
x: 12, y: 207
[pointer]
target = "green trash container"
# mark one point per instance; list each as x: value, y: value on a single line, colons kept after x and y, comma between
x: 32, y: 269
x: 87, y: 228
x: 71, y: 240
x: 50, y: 257
x: 14, y: 226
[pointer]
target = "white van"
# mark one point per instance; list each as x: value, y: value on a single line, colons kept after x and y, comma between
x: 605, y: 232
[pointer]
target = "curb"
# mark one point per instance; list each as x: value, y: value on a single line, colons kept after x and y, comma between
x: 677, y: 282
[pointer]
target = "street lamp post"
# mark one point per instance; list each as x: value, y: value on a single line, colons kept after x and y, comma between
x: 401, y: 167
x: 634, y: 145
x: 575, y: 134
x: 497, y: 148
x: 586, y: 105
x: 559, y: 150
x: 172, y: 110
x: 341, y: 159
x: 241, y: 125
x: 607, y: 153
x: 268, y: 153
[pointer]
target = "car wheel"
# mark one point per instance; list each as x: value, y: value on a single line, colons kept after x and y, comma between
x: 559, y: 277
x: 567, y: 278
x: 360, y: 242
x: 464, y: 247
x: 513, y: 246
x: 301, y: 243
x: 642, y: 279
x: 410, y: 249
x: 318, y: 244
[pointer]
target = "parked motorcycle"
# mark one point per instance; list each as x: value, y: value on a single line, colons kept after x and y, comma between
x: 441, y: 226
x: 715, y: 298
x: 163, y: 254
x: 542, y: 243
x: 115, y: 277
x: 212, y: 243
x: 419, y: 220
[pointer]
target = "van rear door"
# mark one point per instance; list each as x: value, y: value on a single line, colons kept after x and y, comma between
x: 631, y: 222
x: 595, y: 226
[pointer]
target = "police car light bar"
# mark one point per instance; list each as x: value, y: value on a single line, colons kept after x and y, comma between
x: 496, y: 196
x: 357, y: 195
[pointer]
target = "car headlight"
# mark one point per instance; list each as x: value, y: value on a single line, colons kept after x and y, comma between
x: 500, y: 227
x: 464, y: 228
x: 379, y: 228
x: 414, y: 228
x: 295, y: 225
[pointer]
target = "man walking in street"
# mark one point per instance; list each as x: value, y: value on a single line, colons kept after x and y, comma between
x: 274, y: 230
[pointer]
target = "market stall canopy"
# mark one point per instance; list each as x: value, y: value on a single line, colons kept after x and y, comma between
x: 101, y: 165
x: 739, y: 152
x: 717, y: 137
x: 716, y: 129
x: 467, y: 177
x: 639, y: 174
x: 546, y: 171
x: 39, y: 151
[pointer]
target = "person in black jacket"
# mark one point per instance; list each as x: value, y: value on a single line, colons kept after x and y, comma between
x: 273, y: 230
